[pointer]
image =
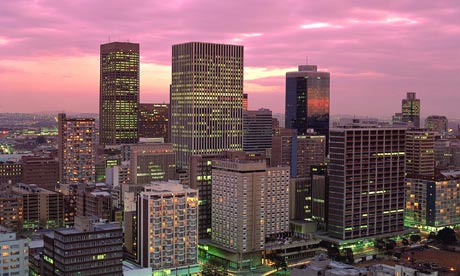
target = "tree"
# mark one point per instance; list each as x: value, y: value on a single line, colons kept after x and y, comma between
x: 446, y: 236
x: 405, y: 242
x: 390, y: 245
x: 347, y: 255
x: 380, y: 244
x: 333, y: 253
x: 432, y: 236
x: 415, y: 238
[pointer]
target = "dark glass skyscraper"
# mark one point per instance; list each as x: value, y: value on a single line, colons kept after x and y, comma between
x: 119, y: 93
x: 307, y: 100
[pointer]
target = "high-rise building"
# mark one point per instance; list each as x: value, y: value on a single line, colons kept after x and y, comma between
x: 11, y: 213
x: 437, y: 123
x: 307, y: 150
x: 168, y: 228
x: 94, y: 200
x: 431, y: 203
x: 206, y: 99
x: 89, y: 248
x: 411, y: 110
x: 119, y: 93
x: 307, y: 100
x: 152, y: 162
x: 200, y: 174
x: 14, y: 254
x: 154, y: 121
x: 249, y: 203
x: 420, y: 152
x: 282, y: 147
x: 77, y: 149
x: 43, y: 171
x: 257, y: 130
x: 366, y: 182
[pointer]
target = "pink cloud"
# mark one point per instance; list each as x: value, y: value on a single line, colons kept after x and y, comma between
x: 371, y: 49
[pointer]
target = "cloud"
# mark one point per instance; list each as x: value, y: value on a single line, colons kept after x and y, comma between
x: 370, y: 48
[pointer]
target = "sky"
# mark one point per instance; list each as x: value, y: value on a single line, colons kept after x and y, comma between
x: 376, y: 51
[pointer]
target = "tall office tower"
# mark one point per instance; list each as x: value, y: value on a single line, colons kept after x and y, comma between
x: 154, y: 121
x: 420, y: 152
x: 366, y: 182
x: 119, y: 93
x: 431, y: 203
x: 437, y: 123
x: 167, y: 219
x: 257, y: 130
x: 307, y: 150
x: 206, y: 99
x: 90, y: 248
x: 319, y: 195
x: 307, y: 100
x: 41, y: 208
x: 411, y: 109
x: 249, y: 203
x: 77, y: 149
x: 43, y: 171
x: 245, y: 101
x: 200, y: 175
x: 14, y: 254
x: 275, y: 126
x: 152, y: 162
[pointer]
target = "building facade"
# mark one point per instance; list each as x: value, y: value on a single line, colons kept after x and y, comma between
x: 437, y: 123
x: 152, y: 162
x: 154, y: 121
x: 257, y: 130
x: 76, y: 149
x: 366, y: 182
x: 90, y: 248
x: 206, y: 99
x: 420, y: 152
x: 119, y: 93
x: 168, y: 228
x: 43, y: 171
x: 432, y: 203
x: 411, y: 110
x: 307, y: 100
x: 14, y: 254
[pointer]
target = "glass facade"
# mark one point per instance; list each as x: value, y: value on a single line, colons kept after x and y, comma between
x: 119, y: 93
x: 307, y: 100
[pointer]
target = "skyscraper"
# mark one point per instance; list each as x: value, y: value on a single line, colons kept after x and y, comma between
x: 168, y: 228
x: 119, y: 93
x: 77, y: 149
x: 411, y: 109
x: 366, y: 182
x: 206, y: 99
x: 420, y: 152
x: 307, y: 100
x: 257, y: 129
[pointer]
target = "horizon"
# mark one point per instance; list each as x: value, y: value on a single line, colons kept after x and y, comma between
x: 374, y: 52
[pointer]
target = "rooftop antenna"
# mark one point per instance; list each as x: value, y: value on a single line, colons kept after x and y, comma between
x: 306, y: 60
x: 109, y: 38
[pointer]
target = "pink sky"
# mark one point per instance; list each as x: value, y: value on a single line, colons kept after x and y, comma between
x: 49, y: 50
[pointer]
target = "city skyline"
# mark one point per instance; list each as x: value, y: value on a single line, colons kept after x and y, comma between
x: 373, y: 51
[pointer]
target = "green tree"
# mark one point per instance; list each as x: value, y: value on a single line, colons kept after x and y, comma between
x: 446, y: 236
x: 415, y: 238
